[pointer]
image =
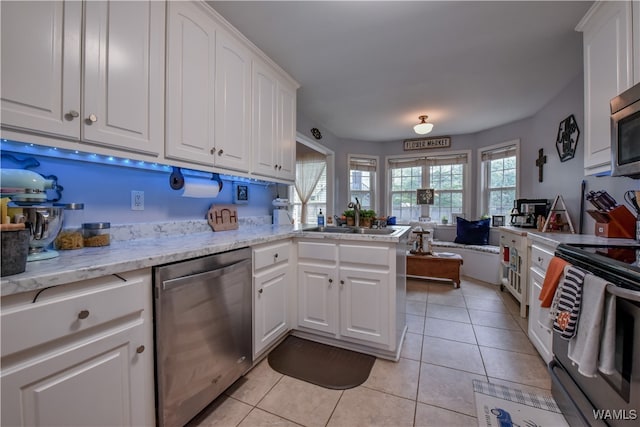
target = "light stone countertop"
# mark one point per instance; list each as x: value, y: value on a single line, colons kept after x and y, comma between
x: 554, y: 239
x: 121, y: 256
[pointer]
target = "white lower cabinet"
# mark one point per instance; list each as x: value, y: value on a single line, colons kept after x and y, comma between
x: 271, y: 287
x: 345, y: 290
x: 364, y: 304
x: 539, y: 327
x: 81, y: 354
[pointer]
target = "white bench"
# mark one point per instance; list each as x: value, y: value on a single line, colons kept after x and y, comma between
x: 481, y: 262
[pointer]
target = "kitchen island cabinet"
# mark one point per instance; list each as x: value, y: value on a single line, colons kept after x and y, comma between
x: 79, y: 354
x: 86, y: 71
x: 349, y: 294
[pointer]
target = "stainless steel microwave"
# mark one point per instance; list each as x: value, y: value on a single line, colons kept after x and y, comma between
x: 625, y: 133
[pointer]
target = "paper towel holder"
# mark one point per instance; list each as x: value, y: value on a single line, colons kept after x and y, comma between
x: 176, y: 179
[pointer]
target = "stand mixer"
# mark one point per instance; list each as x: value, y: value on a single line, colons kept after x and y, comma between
x: 27, y: 191
x: 281, y: 214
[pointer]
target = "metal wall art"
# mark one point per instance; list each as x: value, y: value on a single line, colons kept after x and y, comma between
x: 316, y: 133
x: 567, y: 140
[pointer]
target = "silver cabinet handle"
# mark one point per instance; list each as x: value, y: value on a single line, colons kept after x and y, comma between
x: 260, y: 291
x: 83, y: 314
x: 275, y: 256
x: 275, y: 166
x: 220, y: 152
x: 330, y: 280
x: 279, y: 167
x: 213, y: 150
x: 71, y: 115
x: 342, y: 282
x: 140, y: 349
x: 92, y: 118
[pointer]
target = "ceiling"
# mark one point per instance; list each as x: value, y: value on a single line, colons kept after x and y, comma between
x: 368, y: 69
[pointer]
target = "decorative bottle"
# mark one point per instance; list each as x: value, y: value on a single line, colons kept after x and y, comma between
x: 321, y: 219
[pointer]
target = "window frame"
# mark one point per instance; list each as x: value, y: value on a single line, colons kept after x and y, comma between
x: 329, y: 169
x: 424, y: 209
x: 483, y: 194
x: 374, y: 181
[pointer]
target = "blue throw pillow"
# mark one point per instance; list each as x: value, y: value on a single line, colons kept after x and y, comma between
x: 472, y: 232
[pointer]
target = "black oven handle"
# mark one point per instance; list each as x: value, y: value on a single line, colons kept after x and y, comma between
x: 623, y: 293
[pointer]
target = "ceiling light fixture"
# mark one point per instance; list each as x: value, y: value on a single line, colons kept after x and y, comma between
x: 423, y: 127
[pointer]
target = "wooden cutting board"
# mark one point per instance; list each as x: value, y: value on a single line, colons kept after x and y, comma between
x: 223, y: 217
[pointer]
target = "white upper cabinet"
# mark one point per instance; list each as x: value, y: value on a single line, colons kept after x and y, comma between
x: 124, y: 75
x: 286, y: 132
x: 233, y: 103
x: 41, y: 66
x: 274, y: 124
x: 264, y: 120
x: 608, y: 61
x: 208, y: 90
x: 120, y: 102
x: 191, y: 47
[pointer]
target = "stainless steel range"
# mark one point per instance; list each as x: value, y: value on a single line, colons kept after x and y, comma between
x: 614, y: 399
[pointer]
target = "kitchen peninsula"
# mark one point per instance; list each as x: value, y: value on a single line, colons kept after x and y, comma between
x: 92, y: 308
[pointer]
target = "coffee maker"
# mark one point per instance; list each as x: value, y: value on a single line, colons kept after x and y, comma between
x: 525, y: 212
x: 281, y: 215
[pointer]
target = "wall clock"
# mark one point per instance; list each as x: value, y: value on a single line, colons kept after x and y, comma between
x: 567, y: 140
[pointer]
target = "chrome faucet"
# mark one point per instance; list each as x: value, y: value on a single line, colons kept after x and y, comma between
x: 356, y: 207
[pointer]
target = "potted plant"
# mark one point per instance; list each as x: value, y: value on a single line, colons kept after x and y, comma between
x: 350, y: 216
x: 366, y: 217
x: 445, y: 220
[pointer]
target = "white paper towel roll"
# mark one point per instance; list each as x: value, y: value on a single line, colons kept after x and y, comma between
x: 200, y: 188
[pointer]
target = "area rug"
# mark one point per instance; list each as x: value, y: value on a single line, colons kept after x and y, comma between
x: 498, y: 406
x: 321, y: 364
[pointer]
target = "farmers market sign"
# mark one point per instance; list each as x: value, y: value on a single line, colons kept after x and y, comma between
x: 421, y: 143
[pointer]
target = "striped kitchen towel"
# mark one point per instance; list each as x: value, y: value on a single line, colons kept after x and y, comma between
x: 569, y: 300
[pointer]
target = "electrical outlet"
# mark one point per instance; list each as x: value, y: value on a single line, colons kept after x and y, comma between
x: 137, y: 200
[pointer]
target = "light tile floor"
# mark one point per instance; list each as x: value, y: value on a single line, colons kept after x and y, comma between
x: 455, y: 336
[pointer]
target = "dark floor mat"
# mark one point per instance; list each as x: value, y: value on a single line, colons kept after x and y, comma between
x: 321, y: 364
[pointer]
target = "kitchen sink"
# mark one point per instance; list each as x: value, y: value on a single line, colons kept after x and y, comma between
x: 352, y: 230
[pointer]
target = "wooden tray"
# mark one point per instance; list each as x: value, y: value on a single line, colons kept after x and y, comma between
x: 223, y: 217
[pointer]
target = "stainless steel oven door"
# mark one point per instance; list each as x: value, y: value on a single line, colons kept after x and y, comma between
x: 614, y: 399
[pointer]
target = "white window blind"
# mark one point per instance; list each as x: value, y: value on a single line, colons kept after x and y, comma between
x: 444, y: 173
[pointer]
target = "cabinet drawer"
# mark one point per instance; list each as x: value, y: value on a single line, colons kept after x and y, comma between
x: 359, y: 254
x: 68, y: 309
x: 540, y: 257
x: 271, y: 254
x: 318, y: 251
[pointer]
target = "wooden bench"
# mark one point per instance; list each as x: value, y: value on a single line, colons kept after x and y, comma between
x: 481, y: 262
x: 435, y: 266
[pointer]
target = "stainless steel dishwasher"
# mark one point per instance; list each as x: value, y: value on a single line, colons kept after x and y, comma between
x: 202, y: 327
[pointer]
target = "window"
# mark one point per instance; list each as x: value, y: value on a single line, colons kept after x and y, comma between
x: 446, y: 174
x: 309, y: 194
x: 499, y: 169
x: 362, y: 180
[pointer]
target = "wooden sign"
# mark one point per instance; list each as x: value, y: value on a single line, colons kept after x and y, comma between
x: 422, y: 143
x: 223, y: 217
